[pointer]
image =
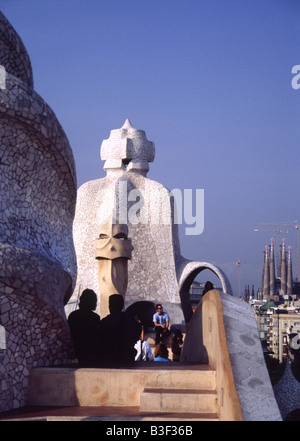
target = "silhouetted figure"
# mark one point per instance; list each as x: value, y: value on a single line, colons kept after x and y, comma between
x: 161, y: 353
x: 177, y: 344
x: 207, y: 287
x: 85, y: 329
x: 120, y: 332
x: 161, y: 322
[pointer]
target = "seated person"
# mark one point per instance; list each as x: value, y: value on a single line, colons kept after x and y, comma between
x: 161, y: 353
x: 144, y: 352
x: 85, y: 331
x: 120, y: 332
x: 142, y: 347
x: 161, y: 322
x: 177, y: 344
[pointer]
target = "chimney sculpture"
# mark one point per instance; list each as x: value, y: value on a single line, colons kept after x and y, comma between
x: 156, y: 269
x: 112, y: 251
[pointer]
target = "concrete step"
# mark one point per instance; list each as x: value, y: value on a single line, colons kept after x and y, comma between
x: 203, y: 379
x: 71, y: 386
x: 141, y: 417
x: 98, y: 414
x: 148, y: 417
x: 159, y: 400
x: 173, y: 416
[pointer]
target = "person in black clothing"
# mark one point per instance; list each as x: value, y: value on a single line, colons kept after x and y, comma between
x: 120, y: 332
x: 177, y: 344
x: 207, y: 287
x: 85, y: 330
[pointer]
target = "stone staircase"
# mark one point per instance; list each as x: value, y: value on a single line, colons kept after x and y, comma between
x: 175, y: 391
x: 181, y: 395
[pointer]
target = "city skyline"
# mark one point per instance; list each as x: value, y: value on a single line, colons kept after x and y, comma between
x: 214, y: 86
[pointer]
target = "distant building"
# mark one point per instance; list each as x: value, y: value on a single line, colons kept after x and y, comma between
x: 282, y: 287
x: 196, y: 290
x: 281, y: 325
x: 247, y: 295
x: 276, y: 323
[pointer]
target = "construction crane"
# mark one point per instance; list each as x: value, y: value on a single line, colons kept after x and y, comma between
x: 239, y: 263
x: 295, y: 225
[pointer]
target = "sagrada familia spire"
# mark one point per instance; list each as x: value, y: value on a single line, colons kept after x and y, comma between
x: 283, y: 283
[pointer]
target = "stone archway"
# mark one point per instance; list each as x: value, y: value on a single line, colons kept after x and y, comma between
x: 145, y: 311
x: 188, y: 275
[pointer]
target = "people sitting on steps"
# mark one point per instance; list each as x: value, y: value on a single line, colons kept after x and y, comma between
x: 161, y: 353
x: 143, y: 348
x: 177, y: 343
x: 161, y: 321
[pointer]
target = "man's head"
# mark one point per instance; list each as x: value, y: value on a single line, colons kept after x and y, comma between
x: 88, y: 299
x: 178, y: 334
x: 161, y: 351
x: 159, y: 308
x: 116, y: 303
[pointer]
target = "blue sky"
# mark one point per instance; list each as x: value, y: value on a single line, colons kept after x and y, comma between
x: 210, y: 83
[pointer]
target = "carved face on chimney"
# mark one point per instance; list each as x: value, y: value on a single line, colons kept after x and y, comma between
x: 113, y: 242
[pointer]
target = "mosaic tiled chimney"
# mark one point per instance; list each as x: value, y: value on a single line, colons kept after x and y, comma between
x: 37, y: 205
x: 156, y: 272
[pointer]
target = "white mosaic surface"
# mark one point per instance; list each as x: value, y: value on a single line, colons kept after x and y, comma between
x: 250, y: 373
x: 13, y: 53
x: 287, y: 392
x: 37, y: 206
x: 36, y: 335
x: 152, y: 273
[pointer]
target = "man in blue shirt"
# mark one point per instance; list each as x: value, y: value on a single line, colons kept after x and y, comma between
x: 161, y: 322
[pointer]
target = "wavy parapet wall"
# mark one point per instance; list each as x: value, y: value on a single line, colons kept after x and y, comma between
x: 223, y: 333
x: 37, y: 206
